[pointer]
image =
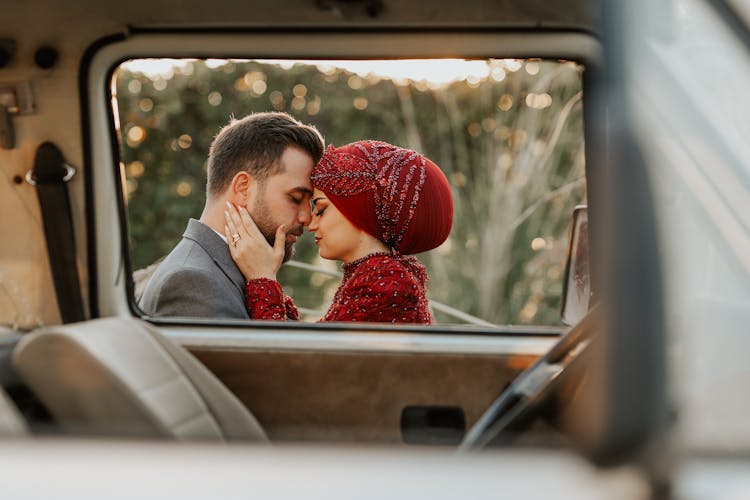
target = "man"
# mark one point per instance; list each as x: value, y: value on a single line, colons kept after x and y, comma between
x: 263, y: 163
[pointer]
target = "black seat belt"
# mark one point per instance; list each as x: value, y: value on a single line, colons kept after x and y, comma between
x: 50, y: 176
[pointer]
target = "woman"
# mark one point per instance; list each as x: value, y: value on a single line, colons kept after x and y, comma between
x: 373, y: 205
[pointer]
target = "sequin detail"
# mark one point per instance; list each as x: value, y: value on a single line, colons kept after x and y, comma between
x: 265, y: 299
x: 343, y: 174
x: 380, y: 287
x: 394, y: 175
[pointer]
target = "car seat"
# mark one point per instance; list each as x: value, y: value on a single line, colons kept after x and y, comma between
x: 11, y: 422
x: 121, y: 377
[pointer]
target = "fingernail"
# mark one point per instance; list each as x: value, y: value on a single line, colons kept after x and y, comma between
x: 226, y: 214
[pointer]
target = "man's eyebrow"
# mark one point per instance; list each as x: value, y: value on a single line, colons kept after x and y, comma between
x: 302, y: 189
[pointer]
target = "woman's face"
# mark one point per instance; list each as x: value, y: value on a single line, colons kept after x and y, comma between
x: 336, y: 237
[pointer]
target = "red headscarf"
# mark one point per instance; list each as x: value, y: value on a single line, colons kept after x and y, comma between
x: 397, y: 195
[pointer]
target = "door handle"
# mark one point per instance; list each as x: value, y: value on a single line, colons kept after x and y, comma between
x: 439, y: 425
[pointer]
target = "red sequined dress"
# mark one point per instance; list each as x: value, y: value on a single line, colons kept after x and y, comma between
x: 376, y: 288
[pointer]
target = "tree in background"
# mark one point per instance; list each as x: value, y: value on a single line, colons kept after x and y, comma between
x: 511, y: 143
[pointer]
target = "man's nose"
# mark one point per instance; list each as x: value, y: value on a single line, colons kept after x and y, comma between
x: 305, y: 217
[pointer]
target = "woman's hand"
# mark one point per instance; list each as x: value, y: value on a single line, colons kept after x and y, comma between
x: 249, y: 248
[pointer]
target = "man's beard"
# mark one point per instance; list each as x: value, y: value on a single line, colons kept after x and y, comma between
x: 263, y: 219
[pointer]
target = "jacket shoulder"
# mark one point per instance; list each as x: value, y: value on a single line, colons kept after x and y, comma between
x: 189, y: 283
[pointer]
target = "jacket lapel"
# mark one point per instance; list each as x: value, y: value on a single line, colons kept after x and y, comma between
x: 217, y: 249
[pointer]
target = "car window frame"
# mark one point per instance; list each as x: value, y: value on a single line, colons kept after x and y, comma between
x: 111, y: 289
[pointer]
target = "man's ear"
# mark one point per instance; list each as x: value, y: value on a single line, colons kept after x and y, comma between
x: 243, y: 189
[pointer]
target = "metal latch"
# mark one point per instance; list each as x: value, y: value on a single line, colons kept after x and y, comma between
x: 14, y: 100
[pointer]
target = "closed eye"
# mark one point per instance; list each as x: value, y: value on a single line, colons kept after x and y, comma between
x: 314, y: 205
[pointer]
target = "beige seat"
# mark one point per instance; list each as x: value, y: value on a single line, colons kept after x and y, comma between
x: 121, y: 377
x: 11, y: 422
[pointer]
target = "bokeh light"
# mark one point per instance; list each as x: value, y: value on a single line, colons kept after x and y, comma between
x: 538, y: 244
x: 185, y: 141
x: 505, y: 102
x: 135, y: 136
x: 214, y: 98
x: 538, y: 101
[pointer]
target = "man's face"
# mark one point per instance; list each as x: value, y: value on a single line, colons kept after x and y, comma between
x: 284, y: 198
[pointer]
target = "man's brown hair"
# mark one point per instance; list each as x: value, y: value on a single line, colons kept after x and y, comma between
x: 254, y: 144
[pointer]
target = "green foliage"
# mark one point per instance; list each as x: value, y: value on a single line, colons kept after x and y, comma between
x: 511, y: 145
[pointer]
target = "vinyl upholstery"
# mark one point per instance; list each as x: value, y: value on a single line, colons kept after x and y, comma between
x: 121, y: 377
x: 11, y: 422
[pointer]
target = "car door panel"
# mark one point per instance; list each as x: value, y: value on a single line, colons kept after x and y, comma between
x: 358, y: 393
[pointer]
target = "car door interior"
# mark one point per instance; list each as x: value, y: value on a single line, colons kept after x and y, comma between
x: 368, y: 393
x: 530, y: 393
x: 121, y: 377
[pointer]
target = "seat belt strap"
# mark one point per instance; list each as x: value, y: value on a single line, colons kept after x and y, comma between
x: 50, y: 176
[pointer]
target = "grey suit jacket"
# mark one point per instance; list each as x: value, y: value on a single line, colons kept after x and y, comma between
x: 198, y: 278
